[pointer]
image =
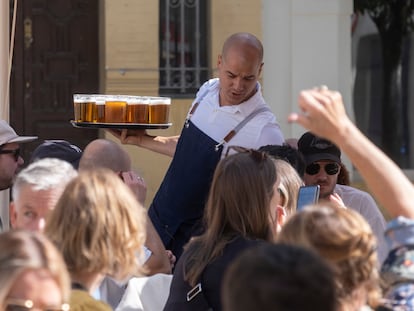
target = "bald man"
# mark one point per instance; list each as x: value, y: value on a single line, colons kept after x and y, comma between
x: 228, y: 110
x: 103, y: 153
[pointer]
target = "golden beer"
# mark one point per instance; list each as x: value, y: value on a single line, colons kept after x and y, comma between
x: 159, y: 110
x: 115, y: 110
x: 137, y: 110
x: 84, y: 108
x: 99, y: 108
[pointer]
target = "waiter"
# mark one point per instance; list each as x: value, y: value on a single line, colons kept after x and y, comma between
x: 228, y: 110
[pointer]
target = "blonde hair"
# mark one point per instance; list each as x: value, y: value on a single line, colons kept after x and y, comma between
x: 345, y: 240
x: 98, y: 225
x: 290, y: 182
x: 23, y: 250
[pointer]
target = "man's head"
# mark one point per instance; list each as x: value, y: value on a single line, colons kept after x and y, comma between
x: 105, y: 153
x: 59, y: 149
x: 10, y: 159
x: 322, y: 159
x: 239, y: 67
x: 36, y: 190
x: 278, y: 277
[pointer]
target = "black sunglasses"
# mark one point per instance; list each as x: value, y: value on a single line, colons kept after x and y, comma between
x: 15, y: 153
x: 314, y: 168
x: 259, y: 156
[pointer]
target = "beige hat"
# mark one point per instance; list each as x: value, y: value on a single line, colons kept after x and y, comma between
x: 8, y: 135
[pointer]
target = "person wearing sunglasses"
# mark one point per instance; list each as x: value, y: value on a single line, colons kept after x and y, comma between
x: 10, y: 159
x: 323, y: 164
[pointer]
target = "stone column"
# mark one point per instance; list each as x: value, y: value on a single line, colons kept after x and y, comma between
x: 307, y: 43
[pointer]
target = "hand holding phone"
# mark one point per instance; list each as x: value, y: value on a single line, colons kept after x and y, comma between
x: 307, y: 195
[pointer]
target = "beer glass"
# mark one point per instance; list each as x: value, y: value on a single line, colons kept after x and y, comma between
x: 84, y: 108
x: 99, y: 108
x: 137, y: 109
x: 115, y: 109
x: 159, y: 109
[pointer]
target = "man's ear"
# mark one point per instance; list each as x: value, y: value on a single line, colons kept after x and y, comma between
x: 12, y: 214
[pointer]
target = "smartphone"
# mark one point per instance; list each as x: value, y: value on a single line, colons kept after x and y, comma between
x: 307, y: 195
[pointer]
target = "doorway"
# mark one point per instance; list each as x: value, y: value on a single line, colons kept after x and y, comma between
x: 56, y: 54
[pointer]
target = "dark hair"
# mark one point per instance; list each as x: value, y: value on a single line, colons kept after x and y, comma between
x: 287, y: 153
x: 278, y: 277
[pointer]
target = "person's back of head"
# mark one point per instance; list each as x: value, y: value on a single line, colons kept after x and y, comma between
x: 346, y: 241
x: 278, y: 277
x: 238, y: 206
x: 288, y: 153
x: 29, y: 260
x: 105, y: 153
x: 242, y: 209
x: 59, y: 149
x: 98, y: 225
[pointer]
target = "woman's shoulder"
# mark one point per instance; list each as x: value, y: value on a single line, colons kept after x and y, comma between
x: 80, y: 300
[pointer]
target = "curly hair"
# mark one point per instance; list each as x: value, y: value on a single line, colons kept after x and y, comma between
x: 98, y: 225
x: 344, y: 239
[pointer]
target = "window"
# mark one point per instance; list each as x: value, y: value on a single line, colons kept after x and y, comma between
x: 183, y: 55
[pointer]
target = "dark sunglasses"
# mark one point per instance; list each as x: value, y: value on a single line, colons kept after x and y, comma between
x: 15, y: 153
x: 314, y: 168
x: 259, y: 156
x: 27, y: 305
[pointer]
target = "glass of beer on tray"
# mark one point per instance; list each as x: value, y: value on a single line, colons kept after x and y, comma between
x: 159, y: 109
x: 99, y: 108
x: 84, y: 108
x: 115, y: 108
x: 137, y: 109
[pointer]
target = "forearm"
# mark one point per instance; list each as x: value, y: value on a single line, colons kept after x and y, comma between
x: 160, y: 144
x: 385, y: 179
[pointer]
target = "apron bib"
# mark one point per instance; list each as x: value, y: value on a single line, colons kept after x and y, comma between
x: 178, y: 205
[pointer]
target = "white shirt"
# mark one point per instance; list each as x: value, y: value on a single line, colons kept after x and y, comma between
x: 363, y: 203
x: 216, y: 121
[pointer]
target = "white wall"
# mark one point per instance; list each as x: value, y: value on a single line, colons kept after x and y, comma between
x: 307, y: 43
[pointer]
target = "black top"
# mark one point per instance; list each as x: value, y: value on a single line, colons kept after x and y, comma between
x: 211, y: 279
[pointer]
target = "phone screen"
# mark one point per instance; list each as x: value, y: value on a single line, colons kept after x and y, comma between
x: 307, y: 195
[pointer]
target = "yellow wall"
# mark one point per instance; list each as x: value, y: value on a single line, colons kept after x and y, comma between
x: 131, y: 43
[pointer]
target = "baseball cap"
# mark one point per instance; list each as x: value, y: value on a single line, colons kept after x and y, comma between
x: 8, y: 135
x: 314, y: 148
x: 60, y: 149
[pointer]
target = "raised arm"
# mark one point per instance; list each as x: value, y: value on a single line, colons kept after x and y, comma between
x: 324, y: 114
x: 160, y: 144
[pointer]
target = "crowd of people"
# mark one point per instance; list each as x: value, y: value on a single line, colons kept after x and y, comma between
x: 222, y: 232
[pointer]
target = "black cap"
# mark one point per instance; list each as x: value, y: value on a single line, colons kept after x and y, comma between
x: 314, y: 148
x: 60, y: 149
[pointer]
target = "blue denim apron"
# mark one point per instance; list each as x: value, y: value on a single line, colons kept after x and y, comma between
x: 178, y: 205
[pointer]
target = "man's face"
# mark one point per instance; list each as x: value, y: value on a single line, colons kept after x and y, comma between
x: 321, y: 177
x: 30, y: 210
x: 9, y: 165
x: 238, y: 74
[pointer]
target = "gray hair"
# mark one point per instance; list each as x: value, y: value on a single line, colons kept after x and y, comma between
x: 44, y: 174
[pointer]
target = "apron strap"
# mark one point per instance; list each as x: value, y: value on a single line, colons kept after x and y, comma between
x: 239, y: 126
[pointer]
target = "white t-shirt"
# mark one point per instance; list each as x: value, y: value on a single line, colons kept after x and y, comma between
x: 217, y: 122
x: 363, y: 203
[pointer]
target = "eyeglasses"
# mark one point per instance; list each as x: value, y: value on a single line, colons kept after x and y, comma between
x: 259, y: 156
x: 15, y: 153
x: 14, y: 304
x: 330, y: 168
